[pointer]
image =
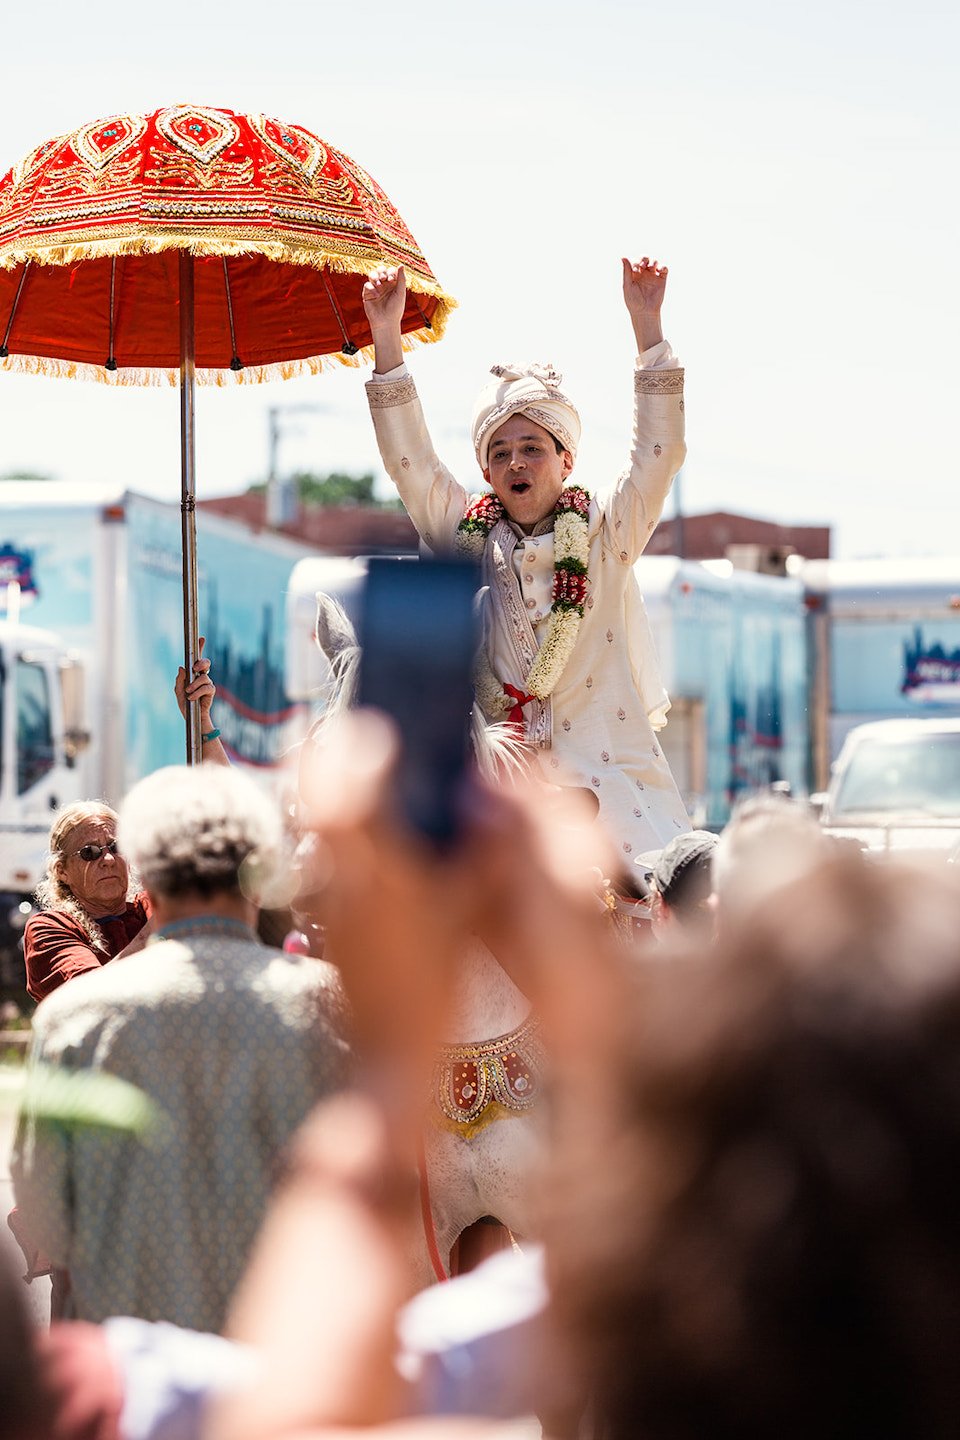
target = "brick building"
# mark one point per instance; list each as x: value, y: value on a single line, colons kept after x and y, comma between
x: 375, y: 530
x: 707, y: 537
x: 328, y: 529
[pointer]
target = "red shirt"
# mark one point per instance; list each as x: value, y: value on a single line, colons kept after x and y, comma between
x: 56, y: 947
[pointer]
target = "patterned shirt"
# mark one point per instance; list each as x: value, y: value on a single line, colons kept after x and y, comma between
x: 236, y: 1043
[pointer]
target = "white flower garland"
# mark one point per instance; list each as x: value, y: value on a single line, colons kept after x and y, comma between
x: 571, y: 553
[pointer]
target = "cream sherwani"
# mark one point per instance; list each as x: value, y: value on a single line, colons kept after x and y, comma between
x: 597, y: 729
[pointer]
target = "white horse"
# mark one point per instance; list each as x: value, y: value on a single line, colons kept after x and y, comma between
x: 481, y: 1136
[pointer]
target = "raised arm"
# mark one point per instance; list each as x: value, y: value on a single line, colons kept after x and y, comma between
x: 635, y: 506
x: 644, y: 285
x: 433, y: 499
x: 384, y: 296
x: 398, y: 917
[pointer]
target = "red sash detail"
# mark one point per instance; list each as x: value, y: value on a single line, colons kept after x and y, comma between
x: 516, y: 714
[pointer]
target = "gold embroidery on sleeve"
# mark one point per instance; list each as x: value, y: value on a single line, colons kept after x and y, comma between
x: 658, y: 382
x: 387, y: 393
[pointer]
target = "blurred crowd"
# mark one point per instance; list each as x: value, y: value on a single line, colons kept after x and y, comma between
x: 741, y: 1217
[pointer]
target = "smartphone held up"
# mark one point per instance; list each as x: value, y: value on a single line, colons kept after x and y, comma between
x: 418, y: 640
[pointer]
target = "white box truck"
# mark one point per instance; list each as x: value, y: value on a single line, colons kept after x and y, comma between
x: 90, y: 577
x: 883, y: 644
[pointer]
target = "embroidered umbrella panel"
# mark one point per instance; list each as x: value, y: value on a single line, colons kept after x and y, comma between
x: 285, y: 229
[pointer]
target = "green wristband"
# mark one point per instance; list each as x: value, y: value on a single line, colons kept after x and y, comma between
x: 210, y: 735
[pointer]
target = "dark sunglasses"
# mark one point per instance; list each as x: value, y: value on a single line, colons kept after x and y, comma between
x: 93, y: 852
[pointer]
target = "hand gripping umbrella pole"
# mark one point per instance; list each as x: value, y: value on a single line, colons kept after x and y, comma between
x: 188, y: 497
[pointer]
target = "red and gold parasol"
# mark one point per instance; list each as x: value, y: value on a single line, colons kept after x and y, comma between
x: 196, y: 244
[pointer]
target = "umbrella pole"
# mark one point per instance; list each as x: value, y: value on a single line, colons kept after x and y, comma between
x: 188, y: 496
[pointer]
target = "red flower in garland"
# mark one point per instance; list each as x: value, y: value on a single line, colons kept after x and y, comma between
x: 486, y: 507
x: 569, y: 588
x: 575, y: 498
x: 570, y: 580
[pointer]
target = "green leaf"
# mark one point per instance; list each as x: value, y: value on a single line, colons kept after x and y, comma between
x: 81, y: 1097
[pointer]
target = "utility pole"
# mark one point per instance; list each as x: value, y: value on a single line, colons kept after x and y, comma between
x: 681, y: 546
x: 281, y: 492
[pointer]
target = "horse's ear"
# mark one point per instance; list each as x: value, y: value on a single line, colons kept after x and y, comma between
x: 334, y: 630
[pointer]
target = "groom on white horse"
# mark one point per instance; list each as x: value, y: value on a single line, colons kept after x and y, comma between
x: 568, y: 657
x: 568, y: 653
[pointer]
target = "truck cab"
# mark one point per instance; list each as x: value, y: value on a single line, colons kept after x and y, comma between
x: 40, y: 738
x: 896, y: 786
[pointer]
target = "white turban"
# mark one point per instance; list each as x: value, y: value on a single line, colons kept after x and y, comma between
x: 531, y: 390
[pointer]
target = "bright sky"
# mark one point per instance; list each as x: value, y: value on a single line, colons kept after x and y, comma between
x: 795, y: 165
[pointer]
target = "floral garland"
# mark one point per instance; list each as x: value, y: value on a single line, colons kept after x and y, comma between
x: 571, y: 552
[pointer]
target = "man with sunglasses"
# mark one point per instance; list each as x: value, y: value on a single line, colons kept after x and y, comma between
x: 91, y: 911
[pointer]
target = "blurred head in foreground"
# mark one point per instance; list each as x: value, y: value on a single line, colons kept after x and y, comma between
x: 770, y: 840
x: 681, y: 886
x: 766, y: 1241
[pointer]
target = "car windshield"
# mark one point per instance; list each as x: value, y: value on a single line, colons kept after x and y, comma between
x: 918, y: 775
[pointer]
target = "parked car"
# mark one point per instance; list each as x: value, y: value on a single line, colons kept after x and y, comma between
x: 896, y: 786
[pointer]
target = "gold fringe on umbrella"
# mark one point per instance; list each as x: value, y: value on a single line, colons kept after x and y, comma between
x: 362, y: 262
x: 130, y: 375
